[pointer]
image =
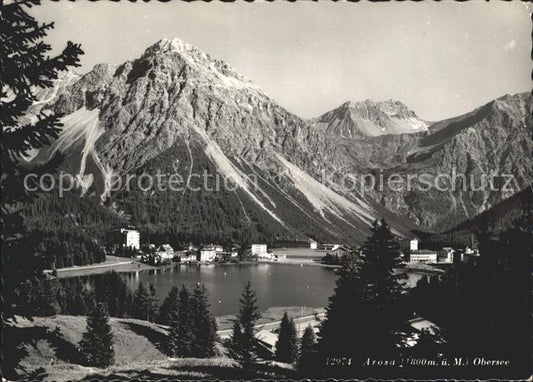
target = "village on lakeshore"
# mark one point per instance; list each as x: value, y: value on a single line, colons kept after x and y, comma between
x: 126, y: 242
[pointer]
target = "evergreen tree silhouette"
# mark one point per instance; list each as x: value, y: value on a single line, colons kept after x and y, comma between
x: 307, y: 351
x: 25, y: 67
x: 152, y: 303
x: 180, y: 339
x: 168, y: 307
x: 243, y: 344
x: 204, y: 327
x: 96, y: 345
x: 365, y: 317
x: 287, y: 344
x: 141, y: 303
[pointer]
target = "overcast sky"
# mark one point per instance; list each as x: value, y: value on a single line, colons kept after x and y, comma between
x: 440, y: 59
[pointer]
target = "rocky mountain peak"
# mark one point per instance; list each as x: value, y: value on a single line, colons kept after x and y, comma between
x: 176, y: 52
x: 371, y: 118
x: 515, y: 103
x: 390, y: 107
x: 172, y: 44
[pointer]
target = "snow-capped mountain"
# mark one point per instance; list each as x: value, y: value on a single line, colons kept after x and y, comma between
x: 370, y: 118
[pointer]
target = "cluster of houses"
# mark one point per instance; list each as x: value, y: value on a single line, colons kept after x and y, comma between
x: 446, y: 255
x: 164, y: 253
x: 192, y: 254
x: 412, y: 253
x: 130, y: 238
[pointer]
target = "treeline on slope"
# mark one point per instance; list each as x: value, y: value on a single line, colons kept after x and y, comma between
x: 70, y: 230
x: 496, y: 219
x: 70, y: 213
x: 65, y: 249
x: 78, y: 296
x: 192, y: 331
x: 192, y: 327
x: 74, y: 230
x: 75, y: 296
x: 220, y: 215
x: 188, y: 215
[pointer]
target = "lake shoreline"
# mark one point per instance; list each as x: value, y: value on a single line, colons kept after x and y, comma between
x: 130, y: 265
x: 271, y: 315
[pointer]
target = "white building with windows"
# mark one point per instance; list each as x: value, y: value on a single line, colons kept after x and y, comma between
x: 166, y: 252
x: 409, y: 245
x: 423, y: 256
x: 259, y: 249
x: 132, y: 238
x: 313, y: 244
x: 208, y: 254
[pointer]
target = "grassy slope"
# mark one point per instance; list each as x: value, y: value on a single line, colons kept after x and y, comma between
x: 136, y: 342
x: 139, y: 351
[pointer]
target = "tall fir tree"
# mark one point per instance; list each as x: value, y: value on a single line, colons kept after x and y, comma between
x: 307, y: 351
x: 169, y: 306
x: 381, y: 260
x: 25, y: 66
x: 180, y: 340
x: 152, y: 303
x: 112, y: 290
x: 96, y: 345
x: 365, y: 316
x: 204, y: 327
x: 243, y: 344
x: 287, y: 344
x: 141, y: 303
x: 234, y: 343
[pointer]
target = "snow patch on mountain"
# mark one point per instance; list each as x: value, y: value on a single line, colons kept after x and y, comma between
x: 47, y: 95
x: 78, y: 126
x: 82, y: 128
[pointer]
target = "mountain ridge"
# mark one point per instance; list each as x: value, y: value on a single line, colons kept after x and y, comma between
x: 175, y: 102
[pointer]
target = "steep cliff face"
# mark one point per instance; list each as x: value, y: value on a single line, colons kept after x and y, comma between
x: 177, y: 110
x: 370, y: 118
